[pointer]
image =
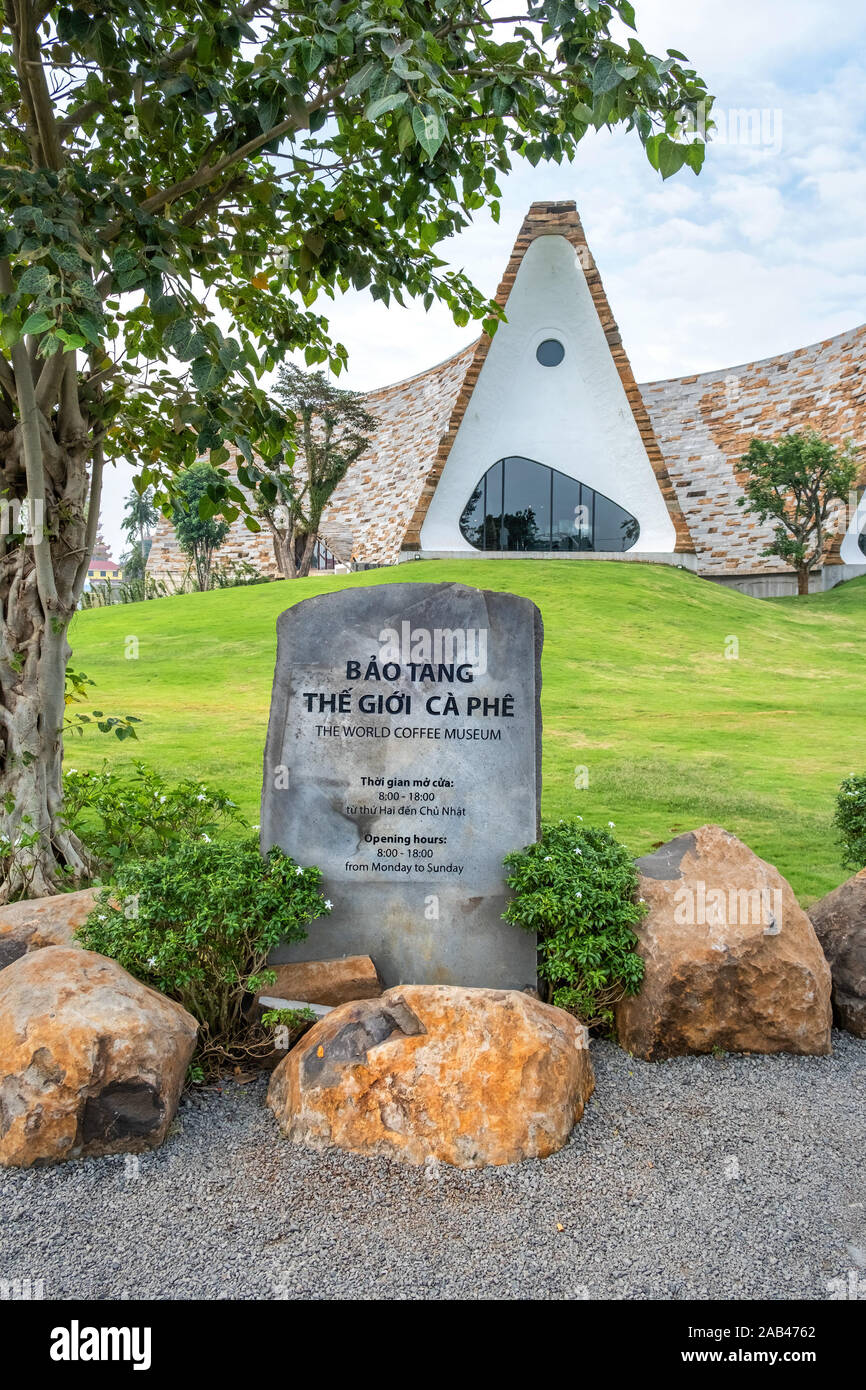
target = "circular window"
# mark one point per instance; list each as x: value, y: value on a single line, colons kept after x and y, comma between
x: 550, y: 353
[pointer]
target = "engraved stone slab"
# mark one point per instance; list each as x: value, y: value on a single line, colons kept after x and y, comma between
x: 403, y: 758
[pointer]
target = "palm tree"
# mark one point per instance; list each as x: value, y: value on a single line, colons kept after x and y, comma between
x: 139, y: 518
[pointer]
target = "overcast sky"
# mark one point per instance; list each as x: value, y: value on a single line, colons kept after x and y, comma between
x: 762, y: 252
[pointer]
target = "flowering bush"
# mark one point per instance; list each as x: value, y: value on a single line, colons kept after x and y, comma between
x: 577, y: 888
x: 198, y: 924
x: 850, y: 820
x: 135, y: 812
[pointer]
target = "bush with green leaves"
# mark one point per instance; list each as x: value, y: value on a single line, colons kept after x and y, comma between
x: 577, y: 888
x: 198, y: 924
x: 128, y: 813
x: 850, y: 820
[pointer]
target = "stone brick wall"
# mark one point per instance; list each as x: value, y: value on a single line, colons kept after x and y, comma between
x: 704, y: 424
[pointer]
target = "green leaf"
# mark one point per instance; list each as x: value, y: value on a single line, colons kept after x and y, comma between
x: 311, y: 55
x: 360, y: 81
x: 184, y: 340
x: 36, y: 280
x: 37, y: 323
x: 429, y: 129
x: 671, y: 157
x: 208, y: 375
x: 382, y: 104
x: 405, y: 133
x: 502, y: 99
x: 127, y: 271
x: 88, y: 327
x: 204, y: 45
x: 604, y: 76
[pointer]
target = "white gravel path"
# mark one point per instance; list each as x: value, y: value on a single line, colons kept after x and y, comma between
x: 731, y: 1177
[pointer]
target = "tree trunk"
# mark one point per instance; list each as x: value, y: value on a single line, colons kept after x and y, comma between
x: 803, y: 579
x: 307, y: 555
x: 41, y: 854
x: 284, y: 552
x: 44, y: 458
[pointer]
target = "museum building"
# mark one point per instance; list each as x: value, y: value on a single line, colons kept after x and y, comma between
x: 539, y: 442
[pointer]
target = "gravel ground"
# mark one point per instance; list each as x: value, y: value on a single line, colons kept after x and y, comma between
x: 730, y: 1177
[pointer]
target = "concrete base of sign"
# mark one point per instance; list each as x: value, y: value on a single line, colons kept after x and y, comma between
x: 409, y: 807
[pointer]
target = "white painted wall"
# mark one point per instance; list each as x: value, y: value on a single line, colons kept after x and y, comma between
x: 574, y: 417
x: 850, y: 552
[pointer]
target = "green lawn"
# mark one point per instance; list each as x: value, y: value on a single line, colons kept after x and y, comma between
x: 637, y: 689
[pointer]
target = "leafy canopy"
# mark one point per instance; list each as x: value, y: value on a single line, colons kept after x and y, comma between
x: 178, y: 188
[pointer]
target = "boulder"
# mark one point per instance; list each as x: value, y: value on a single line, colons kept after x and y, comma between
x: 466, y: 1076
x: 91, y: 1060
x: 732, y: 960
x: 36, y: 922
x: 840, y: 922
x: 326, y: 981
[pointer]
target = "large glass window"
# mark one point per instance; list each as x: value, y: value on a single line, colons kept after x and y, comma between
x: 522, y: 505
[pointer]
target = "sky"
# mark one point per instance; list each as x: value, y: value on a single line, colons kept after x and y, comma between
x: 763, y: 252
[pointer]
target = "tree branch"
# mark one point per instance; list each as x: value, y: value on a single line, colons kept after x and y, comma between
x: 49, y: 380
x: 97, y: 469
x: 33, y: 462
x: 7, y: 379
x: 207, y: 173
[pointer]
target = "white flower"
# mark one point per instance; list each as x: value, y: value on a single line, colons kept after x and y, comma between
x: 578, y: 894
x: 257, y: 827
x: 201, y: 797
x: 579, y: 851
x: 70, y: 770
x: 299, y: 870
x: 547, y: 858
x: 206, y: 839
x: 328, y: 904
x: 580, y: 818
x: 611, y: 825
x: 151, y: 960
x: 162, y: 800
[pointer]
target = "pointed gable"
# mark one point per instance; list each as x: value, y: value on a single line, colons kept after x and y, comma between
x: 559, y: 220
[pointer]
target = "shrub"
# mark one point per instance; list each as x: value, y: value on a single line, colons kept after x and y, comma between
x: 577, y: 888
x: 198, y: 924
x: 850, y: 820
x: 135, y: 812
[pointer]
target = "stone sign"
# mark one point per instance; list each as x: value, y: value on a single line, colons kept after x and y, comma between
x: 403, y: 758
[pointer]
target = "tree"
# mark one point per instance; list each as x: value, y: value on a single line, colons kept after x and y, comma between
x: 132, y: 563
x: 177, y: 188
x: 797, y: 481
x: 198, y: 533
x: 139, y: 518
x: 331, y: 429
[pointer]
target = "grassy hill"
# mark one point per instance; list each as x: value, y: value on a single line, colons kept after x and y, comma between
x: 637, y: 688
